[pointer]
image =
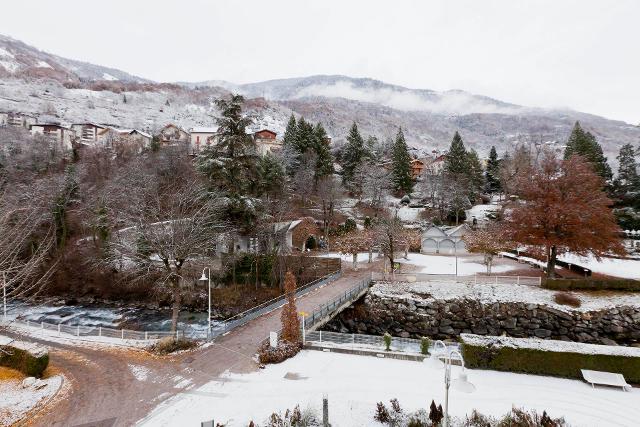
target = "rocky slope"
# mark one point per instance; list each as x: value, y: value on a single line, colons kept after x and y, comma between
x: 45, y: 84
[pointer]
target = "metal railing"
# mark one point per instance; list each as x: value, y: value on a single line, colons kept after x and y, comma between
x: 94, y: 331
x: 469, y: 279
x: 268, y: 306
x: 362, y: 341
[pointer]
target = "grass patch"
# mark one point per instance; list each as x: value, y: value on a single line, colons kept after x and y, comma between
x: 170, y: 345
x: 565, y: 298
x: 8, y: 374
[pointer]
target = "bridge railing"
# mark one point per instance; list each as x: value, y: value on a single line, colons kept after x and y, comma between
x: 325, y: 309
x: 268, y: 306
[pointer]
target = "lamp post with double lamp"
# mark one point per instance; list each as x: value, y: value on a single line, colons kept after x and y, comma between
x: 461, y: 384
x: 207, y: 278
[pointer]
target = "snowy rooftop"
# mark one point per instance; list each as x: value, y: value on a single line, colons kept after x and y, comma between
x: 204, y: 129
x: 446, y: 290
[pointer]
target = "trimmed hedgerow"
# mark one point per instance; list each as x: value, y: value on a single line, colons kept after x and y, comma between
x: 31, y: 363
x: 541, y: 362
x: 592, y: 284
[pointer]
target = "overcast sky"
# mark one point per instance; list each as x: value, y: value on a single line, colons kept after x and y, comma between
x: 558, y: 53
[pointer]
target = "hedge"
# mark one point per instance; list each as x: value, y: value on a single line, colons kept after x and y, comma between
x: 25, y: 357
x: 592, y: 284
x: 544, y: 362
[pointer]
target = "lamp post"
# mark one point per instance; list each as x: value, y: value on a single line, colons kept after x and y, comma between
x: 455, y: 251
x: 461, y: 384
x: 207, y: 278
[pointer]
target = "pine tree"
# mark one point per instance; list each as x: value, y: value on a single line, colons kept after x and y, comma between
x: 353, y: 155
x: 272, y: 176
x: 457, y: 160
x: 493, y: 171
x: 324, y: 158
x: 231, y: 163
x: 475, y: 174
x: 304, y: 136
x: 583, y: 143
x: 401, y: 165
x: 628, y: 170
x: 290, y: 133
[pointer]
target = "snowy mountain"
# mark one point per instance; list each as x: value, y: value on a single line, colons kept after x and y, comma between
x: 57, y: 88
x: 18, y: 59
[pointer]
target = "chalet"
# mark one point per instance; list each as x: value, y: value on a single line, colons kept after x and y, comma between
x: 417, y: 166
x: 16, y: 119
x: 266, y: 141
x: 436, y: 165
x: 111, y: 136
x: 202, y: 137
x: 290, y: 236
x: 62, y: 135
x: 173, y: 135
x: 87, y: 133
x: 444, y: 240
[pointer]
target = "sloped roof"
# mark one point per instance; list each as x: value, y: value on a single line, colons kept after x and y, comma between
x: 203, y: 129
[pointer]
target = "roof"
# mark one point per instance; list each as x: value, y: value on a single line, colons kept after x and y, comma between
x: 89, y: 123
x: 204, y: 130
x: 58, y: 125
x: 266, y: 130
x: 140, y: 133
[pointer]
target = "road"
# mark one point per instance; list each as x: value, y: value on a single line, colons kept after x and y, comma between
x: 118, y: 386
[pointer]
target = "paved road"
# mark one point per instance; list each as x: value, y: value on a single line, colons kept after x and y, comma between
x: 106, y: 392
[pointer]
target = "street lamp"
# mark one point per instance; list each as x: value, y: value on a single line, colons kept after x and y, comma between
x: 207, y: 278
x: 461, y: 384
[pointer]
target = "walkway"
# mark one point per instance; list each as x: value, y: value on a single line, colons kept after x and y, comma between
x: 118, y: 387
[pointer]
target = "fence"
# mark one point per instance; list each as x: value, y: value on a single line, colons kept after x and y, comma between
x: 247, y: 316
x: 361, y: 341
x: 96, y: 331
x: 469, y: 280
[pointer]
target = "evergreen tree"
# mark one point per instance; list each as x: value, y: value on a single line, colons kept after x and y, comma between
x: 304, y: 136
x: 324, y: 158
x: 628, y: 178
x: 401, y: 165
x: 290, y: 133
x: 353, y: 155
x: 583, y: 143
x: 475, y: 174
x: 456, y: 161
x: 272, y: 176
x: 493, y: 171
x: 230, y: 164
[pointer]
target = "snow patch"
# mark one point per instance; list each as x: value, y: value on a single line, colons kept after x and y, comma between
x: 355, y: 383
x: 43, y: 64
x: 107, y: 76
x: 6, y: 53
x: 625, y: 268
x: 16, y: 401
x: 140, y: 372
x: 440, y: 264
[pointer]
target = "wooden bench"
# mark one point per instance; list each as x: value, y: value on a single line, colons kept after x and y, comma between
x: 605, y: 378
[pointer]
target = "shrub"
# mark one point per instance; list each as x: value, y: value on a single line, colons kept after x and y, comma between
x: 435, y: 413
x: 521, y: 418
x: 592, y: 284
x: 387, y: 341
x: 283, y: 351
x: 565, y: 298
x: 25, y: 357
x: 311, y: 243
x: 169, y: 345
x: 425, y: 343
x: 382, y: 413
x: 541, y: 362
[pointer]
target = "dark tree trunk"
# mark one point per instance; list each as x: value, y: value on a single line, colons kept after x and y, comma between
x: 177, y: 301
x: 552, y: 254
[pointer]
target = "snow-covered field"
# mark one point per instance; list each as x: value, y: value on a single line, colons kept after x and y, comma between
x: 490, y: 293
x: 480, y: 212
x: 467, y: 264
x: 16, y: 401
x: 626, y: 268
x: 355, y: 383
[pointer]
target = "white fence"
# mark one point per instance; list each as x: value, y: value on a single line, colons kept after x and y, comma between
x: 469, y: 280
x: 95, y: 331
x: 364, y: 342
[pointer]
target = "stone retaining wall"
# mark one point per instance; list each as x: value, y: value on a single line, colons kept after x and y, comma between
x: 375, y: 315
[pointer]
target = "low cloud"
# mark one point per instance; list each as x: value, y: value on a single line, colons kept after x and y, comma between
x: 459, y: 103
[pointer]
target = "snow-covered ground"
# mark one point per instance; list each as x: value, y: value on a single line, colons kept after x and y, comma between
x: 480, y: 212
x: 626, y: 268
x: 16, y: 401
x: 355, y: 383
x: 444, y: 264
x: 490, y: 293
x: 407, y: 214
x: 362, y: 257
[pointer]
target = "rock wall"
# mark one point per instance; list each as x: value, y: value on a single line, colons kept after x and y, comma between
x: 376, y: 314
